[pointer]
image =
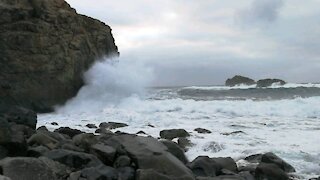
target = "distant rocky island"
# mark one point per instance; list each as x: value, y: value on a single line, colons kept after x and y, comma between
x: 241, y: 80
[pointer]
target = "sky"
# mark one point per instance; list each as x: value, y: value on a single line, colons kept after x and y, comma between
x: 204, y: 42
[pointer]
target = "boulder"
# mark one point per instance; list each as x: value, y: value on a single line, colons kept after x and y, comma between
x: 100, y: 172
x: 68, y: 131
x: 122, y: 161
x: 147, y: 174
x: 42, y: 128
x: 204, y: 166
x: 45, y: 47
x: 270, y: 171
x: 41, y: 139
x: 239, y: 80
x: 54, y: 124
x: 76, y: 160
x: 211, y: 167
x: 26, y: 168
x: 112, y: 125
x: 91, y: 126
x: 175, y: 150
x: 104, y: 152
x: 173, y: 133
x: 85, y: 140
x: 37, y: 151
x: 19, y: 115
x: 126, y: 173
x: 274, y: 159
x: 202, y: 131
x: 148, y: 153
x: 269, y: 82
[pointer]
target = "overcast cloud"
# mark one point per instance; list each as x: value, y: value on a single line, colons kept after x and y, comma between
x: 208, y: 41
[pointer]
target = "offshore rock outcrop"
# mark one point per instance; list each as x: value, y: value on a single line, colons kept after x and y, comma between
x: 45, y: 47
x: 238, y: 80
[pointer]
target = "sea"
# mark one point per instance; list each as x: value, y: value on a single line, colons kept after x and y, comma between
x: 244, y: 120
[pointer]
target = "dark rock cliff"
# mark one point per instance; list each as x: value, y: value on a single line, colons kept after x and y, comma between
x: 45, y: 47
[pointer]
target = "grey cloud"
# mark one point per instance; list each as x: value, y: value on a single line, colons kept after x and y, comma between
x: 265, y: 11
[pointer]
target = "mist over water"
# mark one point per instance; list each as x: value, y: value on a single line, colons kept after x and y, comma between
x: 109, y: 82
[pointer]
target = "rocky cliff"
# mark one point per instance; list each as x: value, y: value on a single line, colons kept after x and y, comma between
x: 45, y: 47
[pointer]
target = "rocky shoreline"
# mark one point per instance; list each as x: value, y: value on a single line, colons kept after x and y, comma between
x: 70, y: 154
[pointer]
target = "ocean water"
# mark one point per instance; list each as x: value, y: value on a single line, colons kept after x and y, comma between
x: 281, y: 119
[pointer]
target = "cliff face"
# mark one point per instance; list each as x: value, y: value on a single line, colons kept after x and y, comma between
x: 45, y: 47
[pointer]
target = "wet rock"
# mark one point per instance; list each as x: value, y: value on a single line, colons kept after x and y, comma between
x: 141, y: 132
x: 68, y: 131
x: 238, y: 80
x: 269, y: 82
x: 105, y: 153
x: 103, y: 131
x: 122, y: 161
x: 175, y: 150
x: 71, y: 147
x: 173, y: 133
x: 85, y: 141
x: 20, y: 115
x: 73, y: 159
x: 26, y: 168
x: 12, y: 140
x: 274, y: 159
x: 147, y: 174
x: 232, y: 133
x: 112, y: 125
x: 223, y: 177
x: 246, y: 175
x: 42, y: 128
x: 211, y: 167
x: 270, y: 171
x: 54, y: 124
x: 42, y: 139
x: 202, y: 131
x: 100, y: 172
x: 255, y: 158
x: 91, y: 126
x: 204, y: 166
x: 126, y: 173
x: 26, y: 130
x: 4, y: 131
x: 37, y: 151
x: 148, y: 153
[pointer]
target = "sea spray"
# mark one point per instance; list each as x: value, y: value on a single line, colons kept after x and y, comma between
x: 107, y: 83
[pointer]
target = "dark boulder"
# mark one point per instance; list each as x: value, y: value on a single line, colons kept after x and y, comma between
x: 270, y: 171
x: 126, y: 173
x: 41, y: 139
x: 211, y: 167
x: 26, y: 168
x: 148, y: 174
x: 122, y: 161
x: 68, y: 131
x: 103, y: 131
x: 104, y: 152
x: 173, y: 133
x: 274, y: 159
x: 175, y: 150
x: 45, y: 47
x: 112, y: 125
x: 4, y: 178
x: 85, y: 140
x: 91, y: 126
x: 54, y: 124
x: 96, y: 173
x: 42, y: 128
x: 204, y: 166
x: 255, y: 158
x: 19, y: 115
x: 202, y: 131
x: 269, y: 82
x: 238, y: 80
x: 73, y: 159
x: 148, y: 153
x: 37, y: 151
